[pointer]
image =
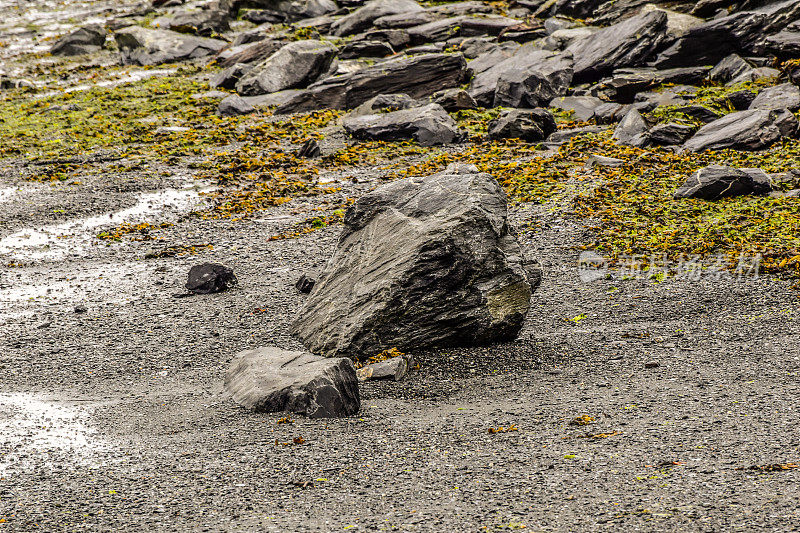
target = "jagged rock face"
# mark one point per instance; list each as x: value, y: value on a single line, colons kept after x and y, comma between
x: 529, y: 125
x: 712, y: 41
x: 295, y: 65
x: 88, y: 39
x: 270, y: 379
x: 632, y: 130
x: 528, y: 78
x: 626, y: 44
x: 421, y: 262
x: 362, y: 18
x: 294, y: 9
x: 428, y: 125
x: 783, y: 96
x: 715, y: 182
x: 753, y: 129
x: 143, y: 46
x: 418, y: 76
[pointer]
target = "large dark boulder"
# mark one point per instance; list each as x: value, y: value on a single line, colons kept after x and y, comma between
x: 362, y: 18
x: 715, y: 182
x: 710, y: 42
x: 269, y: 379
x: 85, y: 40
x: 532, y: 125
x: 143, y: 46
x: 294, y: 66
x: 625, y: 44
x: 753, y: 129
x: 417, y: 76
x: 528, y: 78
x: 421, y: 262
x: 427, y: 125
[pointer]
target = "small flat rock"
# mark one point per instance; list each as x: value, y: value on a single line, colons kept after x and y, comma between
x: 234, y: 105
x: 632, y: 130
x: 753, y: 129
x: 715, y: 182
x: 84, y: 40
x: 428, y: 125
x: 270, y: 379
x: 143, y: 46
x: 783, y: 96
x: 530, y: 125
x: 395, y: 368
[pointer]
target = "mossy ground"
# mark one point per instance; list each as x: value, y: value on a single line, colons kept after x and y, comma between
x: 252, y: 162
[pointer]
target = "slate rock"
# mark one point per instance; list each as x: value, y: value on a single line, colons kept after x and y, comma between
x: 269, y: 379
x: 632, y: 130
x: 739, y: 100
x: 712, y: 41
x: 783, y: 96
x: 625, y: 44
x: 454, y: 100
x: 729, y: 68
x: 529, y: 125
x: 529, y: 77
x: 670, y: 134
x: 785, y: 44
x: 753, y: 129
x: 144, y: 46
x: 394, y: 368
x: 428, y: 125
x: 384, y: 102
x: 294, y: 9
x: 209, y: 278
x: 762, y: 182
x: 461, y: 26
x: 87, y: 39
x: 309, y: 150
x: 715, y: 182
x: 366, y: 49
x: 582, y: 107
x: 418, y: 76
x: 534, y: 84
x: 251, y: 53
x: 362, y: 18
x: 305, y: 284
x: 204, y: 22
x: 294, y: 66
x: 421, y: 262
x: 234, y: 106
x: 408, y: 19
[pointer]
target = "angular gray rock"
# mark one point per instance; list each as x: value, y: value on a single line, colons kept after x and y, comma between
x: 234, y: 105
x: 428, y: 125
x: 536, y: 84
x: 294, y: 9
x: 753, y: 129
x: 250, y: 53
x: 209, y: 278
x: 783, y: 96
x: 384, y: 102
x: 529, y: 125
x: 421, y: 262
x: 294, y: 66
x: 143, y: 46
x: 715, y: 182
x: 87, y: 39
x: 670, y: 134
x: 785, y: 44
x: 204, y: 22
x: 358, y: 49
x: 729, y: 68
x: 632, y: 130
x: 362, y: 18
x: 582, y: 107
x: 394, y: 368
x: 454, y: 100
x: 625, y: 44
x: 529, y: 77
x: 417, y: 76
x: 712, y: 41
x: 229, y: 77
x: 270, y: 379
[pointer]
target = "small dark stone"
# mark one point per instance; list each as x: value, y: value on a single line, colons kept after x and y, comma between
x: 530, y: 125
x: 209, y: 278
x: 305, y: 284
x: 652, y: 364
x: 310, y: 149
x: 81, y: 309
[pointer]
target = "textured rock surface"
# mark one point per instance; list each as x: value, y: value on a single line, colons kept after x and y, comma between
x: 210, y: 278
x: 783, y: 96
x: 714, y: 182
x: 626, y: 44
x: 418, y: 76
x: 529, y: 125
x: 421, y: 262
x: 362, y: 18
x: 270, y: 379
x: 428, y: 125
x: 143, y: 46
x: 88, y: 39
x: 234, y: 105
x: 295, y: 65
x: 632, y: 130
x: 743, y: 130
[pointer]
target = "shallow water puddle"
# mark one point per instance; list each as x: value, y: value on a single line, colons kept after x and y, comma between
x: 71, y: 238
x: 37, y: 432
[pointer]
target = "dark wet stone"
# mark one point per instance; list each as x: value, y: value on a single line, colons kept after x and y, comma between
x: 529, y: 125
x: 715, y: 182
x: 209, y: 278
